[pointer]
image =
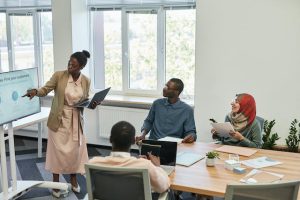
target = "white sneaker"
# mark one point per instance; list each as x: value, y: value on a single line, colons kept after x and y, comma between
x: 56, y: 194
x: 76, y: 189
x: 60, y: 193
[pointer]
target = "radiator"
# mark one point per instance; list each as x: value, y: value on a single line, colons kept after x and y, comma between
x: 109, y: 115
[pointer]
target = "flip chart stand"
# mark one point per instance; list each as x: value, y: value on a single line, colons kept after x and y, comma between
x: 18, y: 188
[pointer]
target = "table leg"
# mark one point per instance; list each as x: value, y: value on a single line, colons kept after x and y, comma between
x: 3, y: 164
x: 40, y: 145
x: 13, y: 167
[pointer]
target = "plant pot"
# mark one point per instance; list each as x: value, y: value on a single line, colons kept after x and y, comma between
x: 210, y: 162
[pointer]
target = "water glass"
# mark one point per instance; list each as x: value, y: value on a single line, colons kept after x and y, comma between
x: 234, y: 157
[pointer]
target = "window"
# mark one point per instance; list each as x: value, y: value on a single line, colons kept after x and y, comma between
x: 142, y: 42
x: 180, y: 48
x: 3, y: 44
x: 108, y: 49
x: 22, y: 40
x: 27, y: 41
x: 47, y: 45
x: 136, y: 50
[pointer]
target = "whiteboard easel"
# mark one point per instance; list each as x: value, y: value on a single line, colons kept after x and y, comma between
x: 18, y: 188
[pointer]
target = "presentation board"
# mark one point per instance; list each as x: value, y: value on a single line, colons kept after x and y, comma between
x: 13, y: 85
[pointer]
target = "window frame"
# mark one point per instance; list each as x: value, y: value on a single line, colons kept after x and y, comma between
x: 160, y: 66
x: 161, y: 48
x: 5, y: 21
x: 38, y: 47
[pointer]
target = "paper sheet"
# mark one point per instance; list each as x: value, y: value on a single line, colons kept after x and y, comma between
x: 171, y: 139
x: 223, y: 129
x: 243, y: 151
x: 259, y: 176
x: 260, y: 162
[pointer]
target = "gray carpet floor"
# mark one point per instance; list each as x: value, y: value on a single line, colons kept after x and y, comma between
x: 29, y: 167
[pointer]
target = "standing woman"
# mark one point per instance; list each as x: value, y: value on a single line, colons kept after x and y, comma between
x: 66, y: 148
x: 243, y: 119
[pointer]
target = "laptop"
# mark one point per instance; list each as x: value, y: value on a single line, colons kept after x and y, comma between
x: 168, y: 152
x: 153, y: 149
x: 99, y: 96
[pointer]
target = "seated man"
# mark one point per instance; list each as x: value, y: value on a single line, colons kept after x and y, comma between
x: 121, y: 138
x: 170, y: 116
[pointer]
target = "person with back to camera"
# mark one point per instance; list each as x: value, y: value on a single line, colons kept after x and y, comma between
x: 170, y: 116
x: 243, y: 119
x: 66, y: 146
x: 122, y: 137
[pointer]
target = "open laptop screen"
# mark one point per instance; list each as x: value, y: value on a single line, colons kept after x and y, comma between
x: 168, y: 151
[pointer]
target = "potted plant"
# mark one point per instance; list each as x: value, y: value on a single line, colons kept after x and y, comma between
x: 293, y: 140
x: 211, y: 157
x: 269, y: 138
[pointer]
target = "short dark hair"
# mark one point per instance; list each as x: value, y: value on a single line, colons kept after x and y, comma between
x: 122, y: 135
x: 81, y: 57
x: 178, y: 83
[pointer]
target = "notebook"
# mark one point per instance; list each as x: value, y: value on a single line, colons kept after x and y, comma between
x: 188, y: 158
x: 168, y: 152
x: 99, y: 96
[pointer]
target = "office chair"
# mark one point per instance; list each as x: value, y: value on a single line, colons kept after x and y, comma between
x: 115, y: 183
x: 261, y: 122
x: 270, y: 191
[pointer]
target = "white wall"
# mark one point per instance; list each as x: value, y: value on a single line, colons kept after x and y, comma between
x: 70, y: 31
x: 62, y: 33
x: 250, y: 46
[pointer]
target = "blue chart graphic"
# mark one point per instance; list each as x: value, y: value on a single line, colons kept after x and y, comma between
x: 15, y: 96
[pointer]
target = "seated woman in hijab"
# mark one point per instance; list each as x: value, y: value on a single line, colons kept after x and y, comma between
x: 247, y: 130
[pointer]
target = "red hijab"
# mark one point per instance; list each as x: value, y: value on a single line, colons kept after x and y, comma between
x: 247, y: 107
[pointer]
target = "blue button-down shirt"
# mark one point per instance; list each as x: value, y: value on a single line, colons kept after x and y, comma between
x: 174, y: 120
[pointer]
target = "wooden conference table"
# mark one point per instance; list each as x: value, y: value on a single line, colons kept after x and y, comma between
x: 212, y: 181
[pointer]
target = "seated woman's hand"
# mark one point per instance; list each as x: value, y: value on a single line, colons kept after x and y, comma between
x: 213, y: 131
x: 237, y: 135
